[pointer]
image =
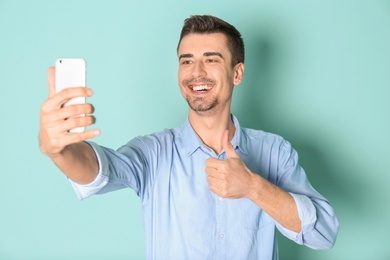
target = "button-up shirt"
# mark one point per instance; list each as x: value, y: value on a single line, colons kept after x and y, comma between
x: 183, y: 219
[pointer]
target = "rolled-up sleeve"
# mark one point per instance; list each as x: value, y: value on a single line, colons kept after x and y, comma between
x: 318, y: 220
x: 86, y: 190
x: 307, y: 215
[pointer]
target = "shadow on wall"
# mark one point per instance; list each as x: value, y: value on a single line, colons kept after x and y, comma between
x: 262, y: 110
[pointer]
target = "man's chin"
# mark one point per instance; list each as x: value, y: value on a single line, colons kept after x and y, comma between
x: 201, y: 106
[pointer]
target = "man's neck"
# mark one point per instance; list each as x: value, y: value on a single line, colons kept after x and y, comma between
x: 211, y: 127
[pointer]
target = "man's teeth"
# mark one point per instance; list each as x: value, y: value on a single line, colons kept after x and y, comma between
x: 201, y: 88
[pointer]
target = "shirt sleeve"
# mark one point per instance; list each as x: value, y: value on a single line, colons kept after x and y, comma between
x: 86, y: 190
x: 307, y: 215
x: 128, y: 167
x: 318, y: 220
x: 117, y: 170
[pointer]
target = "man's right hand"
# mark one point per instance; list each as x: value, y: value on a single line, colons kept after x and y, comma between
x: 74, y: 157
x: 56, y: 120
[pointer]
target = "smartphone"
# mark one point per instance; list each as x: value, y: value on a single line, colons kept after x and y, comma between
x: 71, y: 72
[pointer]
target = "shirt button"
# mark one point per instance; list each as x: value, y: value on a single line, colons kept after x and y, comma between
x: 221, y: 235
x: 220, y: 199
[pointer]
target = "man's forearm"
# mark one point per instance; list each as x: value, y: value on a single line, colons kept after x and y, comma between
x: 78, y: 162
x: 279, y: 204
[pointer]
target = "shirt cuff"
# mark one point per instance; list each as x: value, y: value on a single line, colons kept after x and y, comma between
x: 84, y: 191
x: 308, y: 216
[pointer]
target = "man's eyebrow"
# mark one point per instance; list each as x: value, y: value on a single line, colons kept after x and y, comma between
x: 206, y: 54
x: 186, y: 55
x: 213, y: 53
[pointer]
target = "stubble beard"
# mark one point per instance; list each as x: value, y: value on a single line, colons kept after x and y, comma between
x: 201, y: 105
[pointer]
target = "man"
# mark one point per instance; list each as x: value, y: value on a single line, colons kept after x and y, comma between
x: 210, y: 189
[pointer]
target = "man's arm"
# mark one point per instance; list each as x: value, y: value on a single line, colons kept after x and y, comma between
x: 279, y: 204
x: 68, y: 151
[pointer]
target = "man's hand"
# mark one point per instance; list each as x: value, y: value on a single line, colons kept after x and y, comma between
x: 229, y: 178
x: 56, y: 120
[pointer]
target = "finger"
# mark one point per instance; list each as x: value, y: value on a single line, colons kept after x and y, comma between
x: 227, y: 146
x: 213, y: 162
x: 59, y: 115
x: 211, y: 172
x: 75, y: 122
x: 68, y: 139
x: 59, y: 122
x: 74, y: 110
x: 60, y: 129
x: 58, y: 100
x: 217, y: 191
x: 80, y: 137
x: 51, y: 79
x: 214, y: 182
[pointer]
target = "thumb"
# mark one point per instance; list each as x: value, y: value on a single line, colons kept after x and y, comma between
x: 51, y: 80
x: 226, y: 145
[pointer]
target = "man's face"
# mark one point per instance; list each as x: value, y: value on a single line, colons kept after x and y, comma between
x: 206, y: 77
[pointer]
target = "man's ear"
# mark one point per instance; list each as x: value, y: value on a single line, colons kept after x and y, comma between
x: 238, y: 73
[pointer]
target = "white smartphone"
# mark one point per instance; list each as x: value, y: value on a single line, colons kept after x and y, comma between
x: 71, y: 72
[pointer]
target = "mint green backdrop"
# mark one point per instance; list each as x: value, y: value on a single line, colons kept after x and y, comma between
x: 317, y: 73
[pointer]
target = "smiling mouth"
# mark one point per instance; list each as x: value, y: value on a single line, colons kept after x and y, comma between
x: 201, y: 88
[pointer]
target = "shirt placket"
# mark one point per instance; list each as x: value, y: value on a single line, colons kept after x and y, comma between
x: 221, y: 228
x: 221, y: 224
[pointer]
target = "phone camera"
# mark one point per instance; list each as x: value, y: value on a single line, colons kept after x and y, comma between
x: 60, y: 61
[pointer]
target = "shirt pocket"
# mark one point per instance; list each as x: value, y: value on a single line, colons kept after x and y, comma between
x: 251, y: 216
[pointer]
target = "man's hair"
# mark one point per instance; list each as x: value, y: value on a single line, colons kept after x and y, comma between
x: 206, y: 24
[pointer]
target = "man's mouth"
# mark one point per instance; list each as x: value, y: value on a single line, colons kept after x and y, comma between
x: 201, y: 88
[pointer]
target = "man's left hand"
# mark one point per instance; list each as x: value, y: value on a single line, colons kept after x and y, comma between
x: 229, y: 178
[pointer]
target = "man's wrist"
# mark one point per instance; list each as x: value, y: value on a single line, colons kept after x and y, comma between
x: 255, y: 187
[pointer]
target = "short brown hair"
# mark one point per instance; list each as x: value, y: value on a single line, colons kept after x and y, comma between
x: 210, y: 24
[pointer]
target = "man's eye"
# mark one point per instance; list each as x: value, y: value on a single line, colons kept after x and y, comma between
x: 210, y: 60
x: 185, y: 62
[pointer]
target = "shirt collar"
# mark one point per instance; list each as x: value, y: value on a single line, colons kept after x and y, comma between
x: 192, y: 142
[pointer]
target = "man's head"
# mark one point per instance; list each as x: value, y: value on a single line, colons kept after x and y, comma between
x: 207, y: 24
x: 211, y: 54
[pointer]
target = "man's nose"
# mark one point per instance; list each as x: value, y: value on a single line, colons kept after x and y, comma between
x: 199, y: 70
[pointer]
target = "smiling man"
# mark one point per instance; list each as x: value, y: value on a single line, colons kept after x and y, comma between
x: 210, y: 189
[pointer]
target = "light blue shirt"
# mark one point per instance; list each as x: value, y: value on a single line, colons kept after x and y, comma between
x: 183, y: 219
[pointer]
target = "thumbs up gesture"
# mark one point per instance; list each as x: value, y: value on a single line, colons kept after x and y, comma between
x: 229, y: 178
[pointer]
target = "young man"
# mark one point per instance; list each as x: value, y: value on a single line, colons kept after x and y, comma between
x: 210, y: 189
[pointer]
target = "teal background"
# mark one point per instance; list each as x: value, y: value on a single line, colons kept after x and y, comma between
x: 317, y: 73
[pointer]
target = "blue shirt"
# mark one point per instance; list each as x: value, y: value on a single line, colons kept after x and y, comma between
x: 183, y: 219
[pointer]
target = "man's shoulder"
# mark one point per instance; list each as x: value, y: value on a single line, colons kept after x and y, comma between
x: 256, y: 136
x: 266, y: 141
x: 163, y: 137
x: 261, y: 135
x: 166, y: 134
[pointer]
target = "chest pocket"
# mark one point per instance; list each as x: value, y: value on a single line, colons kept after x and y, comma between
x: 249, y: 215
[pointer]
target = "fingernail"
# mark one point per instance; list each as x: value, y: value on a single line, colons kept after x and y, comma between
x: 90, y: 92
